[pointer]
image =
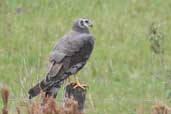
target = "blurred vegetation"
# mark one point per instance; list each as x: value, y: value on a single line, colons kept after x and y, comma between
x: 123, y: 74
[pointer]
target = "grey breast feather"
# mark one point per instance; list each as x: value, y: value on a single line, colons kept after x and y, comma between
x: 69, y: 45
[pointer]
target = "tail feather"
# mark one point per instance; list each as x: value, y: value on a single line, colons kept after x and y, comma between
x: 41, y: 86
x: 34, y: 91
x: 52, y: 93
x: 48, y: 88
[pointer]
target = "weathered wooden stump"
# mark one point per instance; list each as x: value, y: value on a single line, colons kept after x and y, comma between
x: 78, y: 94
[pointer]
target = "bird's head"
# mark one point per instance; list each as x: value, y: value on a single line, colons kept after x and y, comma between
x: 82, y: 24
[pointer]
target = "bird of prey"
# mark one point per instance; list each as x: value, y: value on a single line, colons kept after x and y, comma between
x: 69, y: 55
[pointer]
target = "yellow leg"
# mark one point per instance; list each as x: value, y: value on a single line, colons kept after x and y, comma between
x: 68, y: 79
x: 78, y: 84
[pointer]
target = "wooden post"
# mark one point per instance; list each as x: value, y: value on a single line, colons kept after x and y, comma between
x: 78, y: 94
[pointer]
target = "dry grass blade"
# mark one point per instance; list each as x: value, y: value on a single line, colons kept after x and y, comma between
x: 46, y: 106
x: 18, y: 110
x: 161, y: 109
x: 71, y: 107
x: 4, y: 110
x: 49, y: 106
x: 5, y: 95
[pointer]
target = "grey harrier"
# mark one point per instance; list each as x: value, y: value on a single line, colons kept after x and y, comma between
x: 69, y: 55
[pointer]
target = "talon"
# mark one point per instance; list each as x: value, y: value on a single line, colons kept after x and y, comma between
x: 78, y: 84
x: 83, y: 86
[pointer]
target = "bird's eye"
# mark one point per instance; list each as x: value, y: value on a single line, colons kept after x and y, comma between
x: 86, y: 21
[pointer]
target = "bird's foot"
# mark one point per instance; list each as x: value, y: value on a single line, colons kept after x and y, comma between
x: 79, y: 85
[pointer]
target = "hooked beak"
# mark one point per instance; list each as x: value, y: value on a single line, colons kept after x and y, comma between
x: 91, y: 25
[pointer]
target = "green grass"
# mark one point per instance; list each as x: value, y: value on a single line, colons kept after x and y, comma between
x: 123, y: 74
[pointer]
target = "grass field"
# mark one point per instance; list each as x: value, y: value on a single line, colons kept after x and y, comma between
x: 123, y: 74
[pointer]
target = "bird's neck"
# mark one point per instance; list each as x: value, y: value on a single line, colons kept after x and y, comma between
x: 76, y: 29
